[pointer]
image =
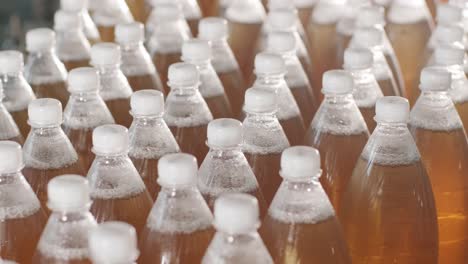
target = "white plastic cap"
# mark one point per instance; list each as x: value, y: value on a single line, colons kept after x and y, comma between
x: 166, y: 12
x: 435, y: 79
x: 113, y: 242
x: 370, y: 16
x: 129, y: 33
x: 260, y: 100
x: 358, y: 58
x: 147, y: 103
x: 449, y: 34
x: 11, y: 61
x: 449, y: 14
x: 64, y: 20
x: 11, y: 157
x: 40, y: 39
x: 392, y: 109
x: 282, y: 19
x: 449, y: 55
x: 411, y: 3
x: 213, y: 28
x: 82, y: 80
x: 183, y: 74
x: 45, y: 112
x: 68, y: 193
x: 300, y: 162
x: 236, y: 213
x: 280, y: 42
x: 105, y: 54
x: 196, y: 50
x: 305, y: 3
x: 178, y: 169
x: 337, y: 82
x: 267, y: 63
x: 280, y: 4
x: 73, y: 5
x: 224, y: 132
x: 367, y: 37
x: 110, y: 139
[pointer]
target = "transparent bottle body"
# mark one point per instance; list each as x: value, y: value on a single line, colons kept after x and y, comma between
x: 8, y: 128
x: 72, y: 48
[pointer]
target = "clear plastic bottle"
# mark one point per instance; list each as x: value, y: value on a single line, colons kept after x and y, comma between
x: 178, y: 229
x: 301, y: 226
x: 215, y: 30
x: 245, y: 23
x: 150, y: 137
x: 167, y: 31
x: 65, y: 237
x: 113, y: 243
x: 136, y: 65
x: 72, y: 46
x: 388, y: 211
x: 21, y: 216
x: 8, y: 128
x: 190, y: 10
x: 443, y: 36
x: 117, y: 190
x: 225, y: 168
x: 236, y: 219
x: 264, y: 139
x: 305, y: 8
x: 187, y: 113
x: 44, y: 71
x: 85, y: 111
x: 47, y: 150
x: 366, y: 91
x: 284, y: 44
x: 16, y: 90
x: 339, y: 132
x: 81, y: 6
x: 109, y: 13
x: 441, y: 139
x: 115, y: 89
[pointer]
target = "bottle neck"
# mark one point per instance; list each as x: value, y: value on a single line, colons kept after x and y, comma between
x: 6, y: 177
x: 388, y: 128
x: 263, y: 117
x: 46, y: 131
x: 201, y: 64
x: 72, y: 215
x: 84, y: 96
x: 108, y: 70
x: 132, y: 46
x: 110, y: 157
x: 225, y: 152
x: 184, y: 90
x: 239, y: 238
x: 339, y: 99
x: 44, y: 54
x: 150, y: 120
x: 269, y: 79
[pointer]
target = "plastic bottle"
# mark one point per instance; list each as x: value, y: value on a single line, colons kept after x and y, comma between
x: 8, y: 128
x: 236, y: 219
x: 305, y: 8
x: 21, y: 216
x: 65, y: 237
x: 109, y: 13
x: 209, y: 8
x: 136, y: 65
x: 150, y: 137
x: 441, y: 139
x: 115, y: 89
x: 47, y: 150
x: 339, y: 132
x: 388, y: 211
x: 187, y: 113
x: 81, y: 6
x: 84, y: 112
x: 178, y: 229
x: 113, y: 243
x: 44, y: 71
x: 117, y: 190
x: 190, y: 9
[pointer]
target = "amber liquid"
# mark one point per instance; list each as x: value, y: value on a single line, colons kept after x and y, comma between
x: 106, y: 33
x: 70, y: 65
x: 306, y: 101
x: 174, y: 248
x: 309, y: 70
x: 462, y: 109
x: 56, y: 90
x: 120, y: 109
x: 148, y: 170
x: 322, y: 242
x: 369, y: 113
x: 219, y: 106
x: 388, y: 88
x: 209, y: 7
x: 394, y: 65
x: 263, y: 208
x: 19, y: 139
x: 21, y: 120
x: 304, y: 15
x: 82, y: 141
x: 341, y: 43
x: 138, y: 9
x: 388, y: 215
x: 445, y: 155
x: 19, y: 237
x: 192, y: 140
x: 147, y: 81
x: 132, y: 210
x: 193, y: 25
x: 234, y: 87
x: 294, y: 129
x: 162, y: 62
x: 42, y: 259
x: 339, y: 154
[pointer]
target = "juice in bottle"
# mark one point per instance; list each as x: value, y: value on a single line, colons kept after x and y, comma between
x: 304, y: 9
x: 8, y: 128
x: 81, y: 6
x: 178, y: 229
x: 109, y: 13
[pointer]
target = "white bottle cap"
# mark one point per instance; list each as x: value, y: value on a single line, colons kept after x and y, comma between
x: 166, y: 12
x: 370, y: 16
x: 110, y: 139
x: 305, y: 3
x: 127, y: 33
x: 11, y: 61
x: 68, y: 193
x: 196, y: 50
x: 435, y: 79
x: 224, y: 132
x: 367, y: 37
x: 73, y: 5
x: 246, y: 11
x: 236, y: 213
x: 147, y: 103
x: 64, y: 20
x: 11, y: 157
x: 282, y: 19
x: 260, y: 100
x: 267, y: 63
x: 183, y: 74
x: 449, y: 14
x: 300, y: 162
x: 105, y: 54
x: 392, y: 109
x: 337, y: 82
x: 213, y: 28
x: 45, y: 112
x: 358, y: 58
x: 449, y: 55
x: 113, y: 242
x: 449, y: 34
x: 280, y: 4
x: 411, y: 3
x: 178, y: 169
x: 82, y: 80
x: 40, y: 39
